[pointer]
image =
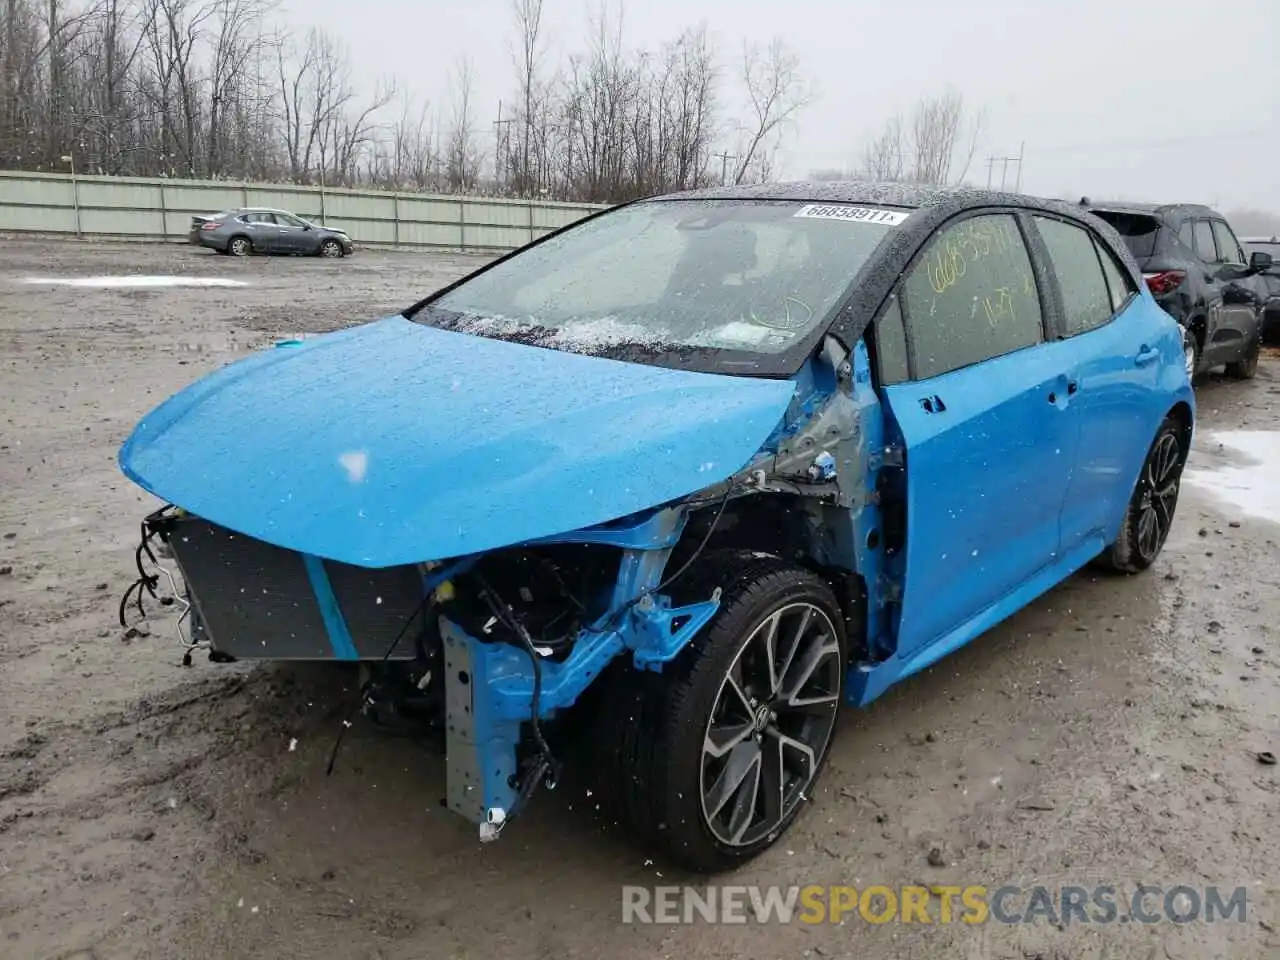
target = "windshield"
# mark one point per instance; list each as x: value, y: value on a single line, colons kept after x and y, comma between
x: 674, y: 276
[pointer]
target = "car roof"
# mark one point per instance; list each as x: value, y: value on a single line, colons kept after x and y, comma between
x: 889, y: 193
x: 1153, y: 209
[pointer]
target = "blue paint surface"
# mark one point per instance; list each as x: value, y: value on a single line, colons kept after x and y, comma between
x: 394, y: 442
x: 335, y: 624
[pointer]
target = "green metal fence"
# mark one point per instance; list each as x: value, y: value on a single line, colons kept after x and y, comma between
x: 159, y: 209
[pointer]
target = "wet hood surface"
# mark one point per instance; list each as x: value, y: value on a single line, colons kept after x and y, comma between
x: 393, y: 442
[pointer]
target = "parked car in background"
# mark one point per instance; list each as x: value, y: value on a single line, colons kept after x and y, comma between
x: 1271, y: 279
x: 250, y: 230
x: 1197, y: 270
x: 729, y: 458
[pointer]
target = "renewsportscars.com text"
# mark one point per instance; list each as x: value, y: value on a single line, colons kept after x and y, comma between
x: 1145, y: 904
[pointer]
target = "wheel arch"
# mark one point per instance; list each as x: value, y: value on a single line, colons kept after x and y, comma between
x: 1182, y: 413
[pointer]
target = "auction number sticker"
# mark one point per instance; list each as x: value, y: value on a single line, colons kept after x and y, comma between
x: 841, y: 211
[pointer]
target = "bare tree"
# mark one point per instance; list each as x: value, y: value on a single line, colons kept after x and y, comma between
x: 777, y: 91
x: 213, y: 88
x: 883, y: 158
x: 462, y: 157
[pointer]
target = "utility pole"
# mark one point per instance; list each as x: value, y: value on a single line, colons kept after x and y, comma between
x: 725, y: 157
x: 1004, y: 169
x: 501, y: 139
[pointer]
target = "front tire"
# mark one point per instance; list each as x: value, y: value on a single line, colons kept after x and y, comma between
x: 1149, y: 515
x: 332, y: 249
x: 713, y: 758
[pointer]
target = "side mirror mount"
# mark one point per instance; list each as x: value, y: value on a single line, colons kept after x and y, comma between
x: 306, y: 224
x: 1260, y: 262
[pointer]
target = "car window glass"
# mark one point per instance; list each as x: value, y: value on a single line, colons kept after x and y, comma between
x: 891, y: 344
x: 1086, y: 301
x: 1119, y: 283
x: 1184, y: 235
x: 1204, y: 242
x: 285, y: 220
x: 971, y: 296
x: 1227, y: 245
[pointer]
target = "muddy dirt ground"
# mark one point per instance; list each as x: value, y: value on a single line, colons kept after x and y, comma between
x: 1106, y: 735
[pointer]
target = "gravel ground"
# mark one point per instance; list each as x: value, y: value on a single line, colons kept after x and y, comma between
x: 1106, y: 735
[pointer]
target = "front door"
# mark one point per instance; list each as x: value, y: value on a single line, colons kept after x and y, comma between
x: 986, y: 423
x: 294, y: 235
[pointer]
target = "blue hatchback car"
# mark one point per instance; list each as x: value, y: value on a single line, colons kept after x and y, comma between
x: 707, y: 465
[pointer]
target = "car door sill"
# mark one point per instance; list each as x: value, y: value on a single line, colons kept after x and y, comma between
x: 866, y: 682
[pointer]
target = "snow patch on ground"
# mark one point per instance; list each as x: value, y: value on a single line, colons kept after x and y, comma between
x: 132, y: 282
x: 1252, y: 484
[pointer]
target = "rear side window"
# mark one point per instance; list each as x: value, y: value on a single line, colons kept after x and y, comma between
x: 1184, y: 235
x: 1138, y: 231
x: 1119, y: 283
x: 971, y: 296
x: 1204, y: 242
x: 1086, y: 301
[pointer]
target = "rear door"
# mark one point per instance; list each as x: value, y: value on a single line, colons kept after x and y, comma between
x: 1114, y: 336
x: 985, y: 422
x: 262, y: 231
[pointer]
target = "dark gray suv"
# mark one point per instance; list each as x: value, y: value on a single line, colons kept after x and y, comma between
x: 1198, y: 272
x: 263, y: 230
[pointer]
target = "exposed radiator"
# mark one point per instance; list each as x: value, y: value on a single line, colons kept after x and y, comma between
x: 258, y: 601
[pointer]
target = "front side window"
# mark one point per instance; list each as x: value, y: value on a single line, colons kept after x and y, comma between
x: 1086, y: 301
x: 663, y: 278
x: 287, y: 221
x: 971, y: 296
x: 891, y: 344
x: 1204, y: 242
x: 1228, y: 247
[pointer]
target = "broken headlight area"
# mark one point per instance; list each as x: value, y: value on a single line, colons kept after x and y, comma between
x: 486, y: 649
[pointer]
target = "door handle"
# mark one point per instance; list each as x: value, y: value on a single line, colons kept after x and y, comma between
x: 1147, y: 355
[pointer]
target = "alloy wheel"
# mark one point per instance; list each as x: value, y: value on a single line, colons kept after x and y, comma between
x: 771, y: 724
x: 1158, y: 495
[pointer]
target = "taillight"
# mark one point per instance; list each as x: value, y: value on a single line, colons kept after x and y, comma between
x: 1164, y: 281
x: 211, y: 225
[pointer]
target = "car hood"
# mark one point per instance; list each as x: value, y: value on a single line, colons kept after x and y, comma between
x: 393, y: 442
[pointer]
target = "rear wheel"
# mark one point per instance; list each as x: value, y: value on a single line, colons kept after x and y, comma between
x: 1245, y: 369
x: 714, y: 757
x: 1149, y: 516
x: 239, y: 247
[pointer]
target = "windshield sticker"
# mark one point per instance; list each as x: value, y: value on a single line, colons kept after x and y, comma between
x: 839, y: 211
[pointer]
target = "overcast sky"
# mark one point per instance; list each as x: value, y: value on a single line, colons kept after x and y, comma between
x: 1166, y: 100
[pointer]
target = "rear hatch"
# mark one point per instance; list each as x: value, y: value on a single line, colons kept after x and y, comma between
x: 1141, y: 234
x: 1138, y: 230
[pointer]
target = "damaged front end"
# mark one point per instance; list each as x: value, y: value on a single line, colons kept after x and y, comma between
x: 489, y: 642
x: 492, y: 644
